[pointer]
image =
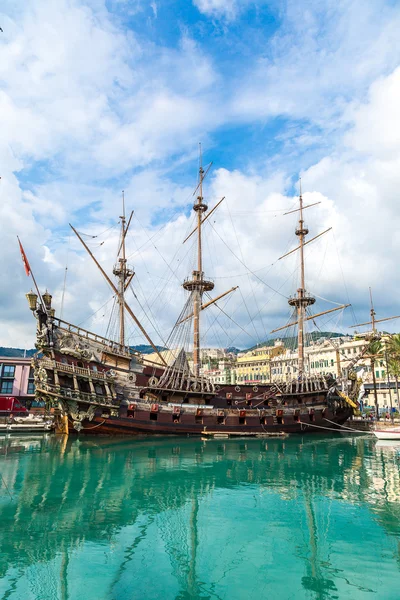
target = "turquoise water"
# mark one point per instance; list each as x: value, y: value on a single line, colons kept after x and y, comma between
x: 108, y: 519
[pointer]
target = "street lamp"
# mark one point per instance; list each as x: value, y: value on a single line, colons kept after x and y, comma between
x: 47, y: 300
x: 32, y: 300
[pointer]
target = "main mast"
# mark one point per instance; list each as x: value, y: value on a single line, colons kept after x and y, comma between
x: 302, y: 300
x: 198, y: 285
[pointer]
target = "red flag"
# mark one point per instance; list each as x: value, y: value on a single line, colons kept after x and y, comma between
x: 24, y: 260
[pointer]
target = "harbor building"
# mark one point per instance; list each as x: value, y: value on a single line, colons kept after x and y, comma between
x: 207, y: 354
x: 284, y: 366
x: 255, y: 366
x: 16, y: 378
x: 325, y: 357
x: 217, y: 376
x: 221, y: 374
x: 333, y: 356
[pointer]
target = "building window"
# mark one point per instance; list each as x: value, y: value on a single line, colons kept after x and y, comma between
x: 9, y: 371
x: 377, y: 374
x: 7, y: 381
x: 6, y: 387
x: 31, y: 384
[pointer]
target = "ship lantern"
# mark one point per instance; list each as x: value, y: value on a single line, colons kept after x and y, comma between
x: 32, y: 300
x: 47, y: 300
x: 52, y: 312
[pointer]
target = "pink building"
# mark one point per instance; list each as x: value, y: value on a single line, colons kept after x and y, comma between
x: 16, y: 378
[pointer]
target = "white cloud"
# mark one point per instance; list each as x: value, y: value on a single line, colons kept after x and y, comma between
x: 84, y: 100
x: 218, y: 8
x: 376, y: 130
x: 324, y: 55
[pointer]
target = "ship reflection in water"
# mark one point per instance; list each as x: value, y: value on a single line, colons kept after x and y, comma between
x: 185, y: 519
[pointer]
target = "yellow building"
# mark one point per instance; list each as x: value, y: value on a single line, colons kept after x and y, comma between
x: 254, y: 366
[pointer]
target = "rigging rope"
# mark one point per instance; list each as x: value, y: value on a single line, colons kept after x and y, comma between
x: 65, y: 278
x: 249, y: 279
x: 355, y: 320
x: 148, y: 318
x: 349, y: 428
x: 111, y: 327
x: 95, y: 313
x: 233, y: 321
x: 326, y: 299
x: 99, y: 234
x: 252, y: 272
x: 227, y: 299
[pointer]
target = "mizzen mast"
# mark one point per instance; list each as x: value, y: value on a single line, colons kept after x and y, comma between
x: 197, y: 285
x: 302, y: 299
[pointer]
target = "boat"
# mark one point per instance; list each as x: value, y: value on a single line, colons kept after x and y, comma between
x: 102, y: 386
x: 28, y: 424
x: 389, y: 433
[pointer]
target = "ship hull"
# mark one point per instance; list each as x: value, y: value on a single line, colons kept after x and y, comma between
x: 323, y: 421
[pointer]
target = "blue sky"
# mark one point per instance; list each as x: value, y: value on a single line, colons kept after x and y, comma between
x: 96, y: 97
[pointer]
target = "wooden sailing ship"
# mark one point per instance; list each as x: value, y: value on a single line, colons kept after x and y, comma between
x: 102, y: 386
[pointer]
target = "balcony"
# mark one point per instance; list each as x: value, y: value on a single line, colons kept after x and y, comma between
x: 77, y: 395
x: 74, y: 370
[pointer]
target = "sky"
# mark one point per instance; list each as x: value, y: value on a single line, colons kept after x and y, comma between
x: 100, y: 96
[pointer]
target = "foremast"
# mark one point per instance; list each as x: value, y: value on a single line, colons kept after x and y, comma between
x: 197, y: 285
x: 303, y: 299
x: 124, y: 275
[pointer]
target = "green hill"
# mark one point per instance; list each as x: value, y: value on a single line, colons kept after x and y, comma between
x: 291, y: 342
x: 146, y: 349
x: 19, y: 352
x: 15, y: 352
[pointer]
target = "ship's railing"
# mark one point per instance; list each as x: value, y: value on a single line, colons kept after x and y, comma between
x: 78, y: 395
x: 109, y: 344
x: 74, y: 370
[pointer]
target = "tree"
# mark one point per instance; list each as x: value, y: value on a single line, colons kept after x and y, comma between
x: 394, y: 369
x: 374, y: 353
x: 393, y: 347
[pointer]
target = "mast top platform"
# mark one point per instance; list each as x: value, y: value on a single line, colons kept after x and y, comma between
x: 200, y: 206
x: 198, y: 283
x: 123, y: 269
x: 303, y: 230
x: 301, y: 299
